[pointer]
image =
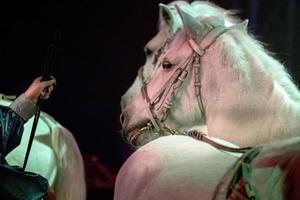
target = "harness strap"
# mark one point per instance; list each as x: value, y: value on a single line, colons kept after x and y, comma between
x: 208, y: 40
x: 200, y: 136
x: 146, y: 97
x: 149, y: 107
x: 200, y: 49
x: 163, y: 99
x: 241, y: 170
x: 197, y: 83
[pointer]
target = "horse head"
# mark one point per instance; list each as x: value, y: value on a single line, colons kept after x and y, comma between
x: 170, y: 22
x: 213, y: 73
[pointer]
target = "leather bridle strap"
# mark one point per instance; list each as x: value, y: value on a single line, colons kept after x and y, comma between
x: 202, y: 137
x: 197, y: 83
x: 149, y: 107
x: 240, y: 171
x: 179, y: 75
x: 146, y: 97
x: 200, y: 49
x: 208, y: 40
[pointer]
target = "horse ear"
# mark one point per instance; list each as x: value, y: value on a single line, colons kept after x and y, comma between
x: 241, y: 26
x: 168, y: 16
x: 195, y: 28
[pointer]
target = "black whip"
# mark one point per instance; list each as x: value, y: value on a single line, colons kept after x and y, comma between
x: 48, y: 69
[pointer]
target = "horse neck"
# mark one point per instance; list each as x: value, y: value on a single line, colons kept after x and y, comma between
x: 248, y: 97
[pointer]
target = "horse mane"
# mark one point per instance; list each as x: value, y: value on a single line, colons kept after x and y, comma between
x: 242, y: 50
x: 243, y: 40
x: 246, y: 90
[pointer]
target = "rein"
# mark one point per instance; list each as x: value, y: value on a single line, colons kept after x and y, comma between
x: 202, y: 137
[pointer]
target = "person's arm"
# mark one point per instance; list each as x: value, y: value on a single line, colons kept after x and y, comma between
x: 12, y: 118
x: 11, y: 130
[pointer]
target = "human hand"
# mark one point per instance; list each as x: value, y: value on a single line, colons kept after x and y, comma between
x: 40, y: 89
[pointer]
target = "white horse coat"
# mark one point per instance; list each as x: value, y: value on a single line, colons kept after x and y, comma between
x: 182, y: 168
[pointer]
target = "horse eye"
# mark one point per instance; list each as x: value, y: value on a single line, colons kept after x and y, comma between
x: 167, y: 65
x: 147, y: 51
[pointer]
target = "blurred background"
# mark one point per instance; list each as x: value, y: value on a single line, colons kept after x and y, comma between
x: 98, y: 58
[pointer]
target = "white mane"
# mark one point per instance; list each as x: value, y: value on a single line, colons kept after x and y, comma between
x: 270, y: 64
x: 263, y: 99
x: 246, y: 44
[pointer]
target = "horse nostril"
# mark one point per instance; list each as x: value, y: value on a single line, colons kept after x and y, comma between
x: 148, y: 51
x: 122, y: 119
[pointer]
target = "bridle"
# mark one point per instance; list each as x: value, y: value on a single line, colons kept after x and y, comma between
x: 158, y: 106
x: 162, y: 101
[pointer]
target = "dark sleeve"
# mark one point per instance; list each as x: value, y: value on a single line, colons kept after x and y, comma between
x: 12, y: 119
x: 11, y: 130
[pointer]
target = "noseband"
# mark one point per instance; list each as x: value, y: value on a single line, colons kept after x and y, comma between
x: 158, y: 106
x: 164, y: 98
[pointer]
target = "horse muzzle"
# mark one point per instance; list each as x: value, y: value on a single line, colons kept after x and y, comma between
x: 133, y: 133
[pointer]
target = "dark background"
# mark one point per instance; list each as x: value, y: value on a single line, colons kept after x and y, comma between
x: 100, y: 52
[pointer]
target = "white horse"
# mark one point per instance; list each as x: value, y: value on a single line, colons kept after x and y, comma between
x: 247, y: 97
x: 54, y: 155
x: 170, y: 23
x: 182, y: 168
